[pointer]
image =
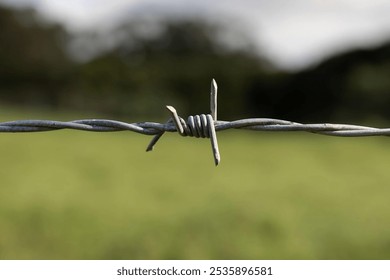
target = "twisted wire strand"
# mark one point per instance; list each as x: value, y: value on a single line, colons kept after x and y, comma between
x: 153, y: 128
x: 196, y: 126
x: 204, y: 126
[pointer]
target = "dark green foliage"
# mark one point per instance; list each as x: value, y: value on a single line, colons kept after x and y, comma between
x: 352, y: 86
x: 176, y: 66
x: 34, y: 65
x: 154, y: 63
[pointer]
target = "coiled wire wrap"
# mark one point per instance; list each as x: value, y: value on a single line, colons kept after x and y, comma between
x: 196, y: 126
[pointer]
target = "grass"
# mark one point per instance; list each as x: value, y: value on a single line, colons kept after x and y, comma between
x: 83, y: 195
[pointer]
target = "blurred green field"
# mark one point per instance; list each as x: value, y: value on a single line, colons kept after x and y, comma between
x: 83, y: 195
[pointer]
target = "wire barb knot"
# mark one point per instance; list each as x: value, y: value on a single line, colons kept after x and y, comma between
x: 196, y: 126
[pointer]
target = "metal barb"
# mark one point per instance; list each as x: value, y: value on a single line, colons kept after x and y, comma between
x: 204, y: 127
x: 153, y: 142
x: 214, y: 142
x: 176, y: 119
x: 213, y: 99
x: 196, y: 126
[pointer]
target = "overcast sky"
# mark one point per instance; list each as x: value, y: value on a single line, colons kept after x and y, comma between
x: 292, y: 33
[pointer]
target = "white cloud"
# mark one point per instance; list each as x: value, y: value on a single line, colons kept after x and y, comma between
x: 292, y: 33
x: 297, y: 33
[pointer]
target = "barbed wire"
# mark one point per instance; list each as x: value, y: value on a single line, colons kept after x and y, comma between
x: 204, y: 126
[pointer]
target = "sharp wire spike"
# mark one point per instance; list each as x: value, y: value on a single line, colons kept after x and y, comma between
x: 176, y: 119
x: 213, y: 134
x: 213, y: 99
x: 213, y: 139
x: 153, y: 142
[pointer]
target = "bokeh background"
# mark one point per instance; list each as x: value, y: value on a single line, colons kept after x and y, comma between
x: 82, y: 195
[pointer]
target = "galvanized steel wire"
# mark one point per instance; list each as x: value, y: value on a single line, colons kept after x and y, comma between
x: 152, y: 128
x: 203, y: 126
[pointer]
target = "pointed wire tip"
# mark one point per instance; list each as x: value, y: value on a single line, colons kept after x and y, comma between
x: 149, y: 149
x: 176, y: 120
x: 213, y: 99
x: 171, y: 109
x: 217, y: 156
x: 214, y: 84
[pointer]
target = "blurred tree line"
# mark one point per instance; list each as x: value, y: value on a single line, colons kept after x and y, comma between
x: 173, y: 63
